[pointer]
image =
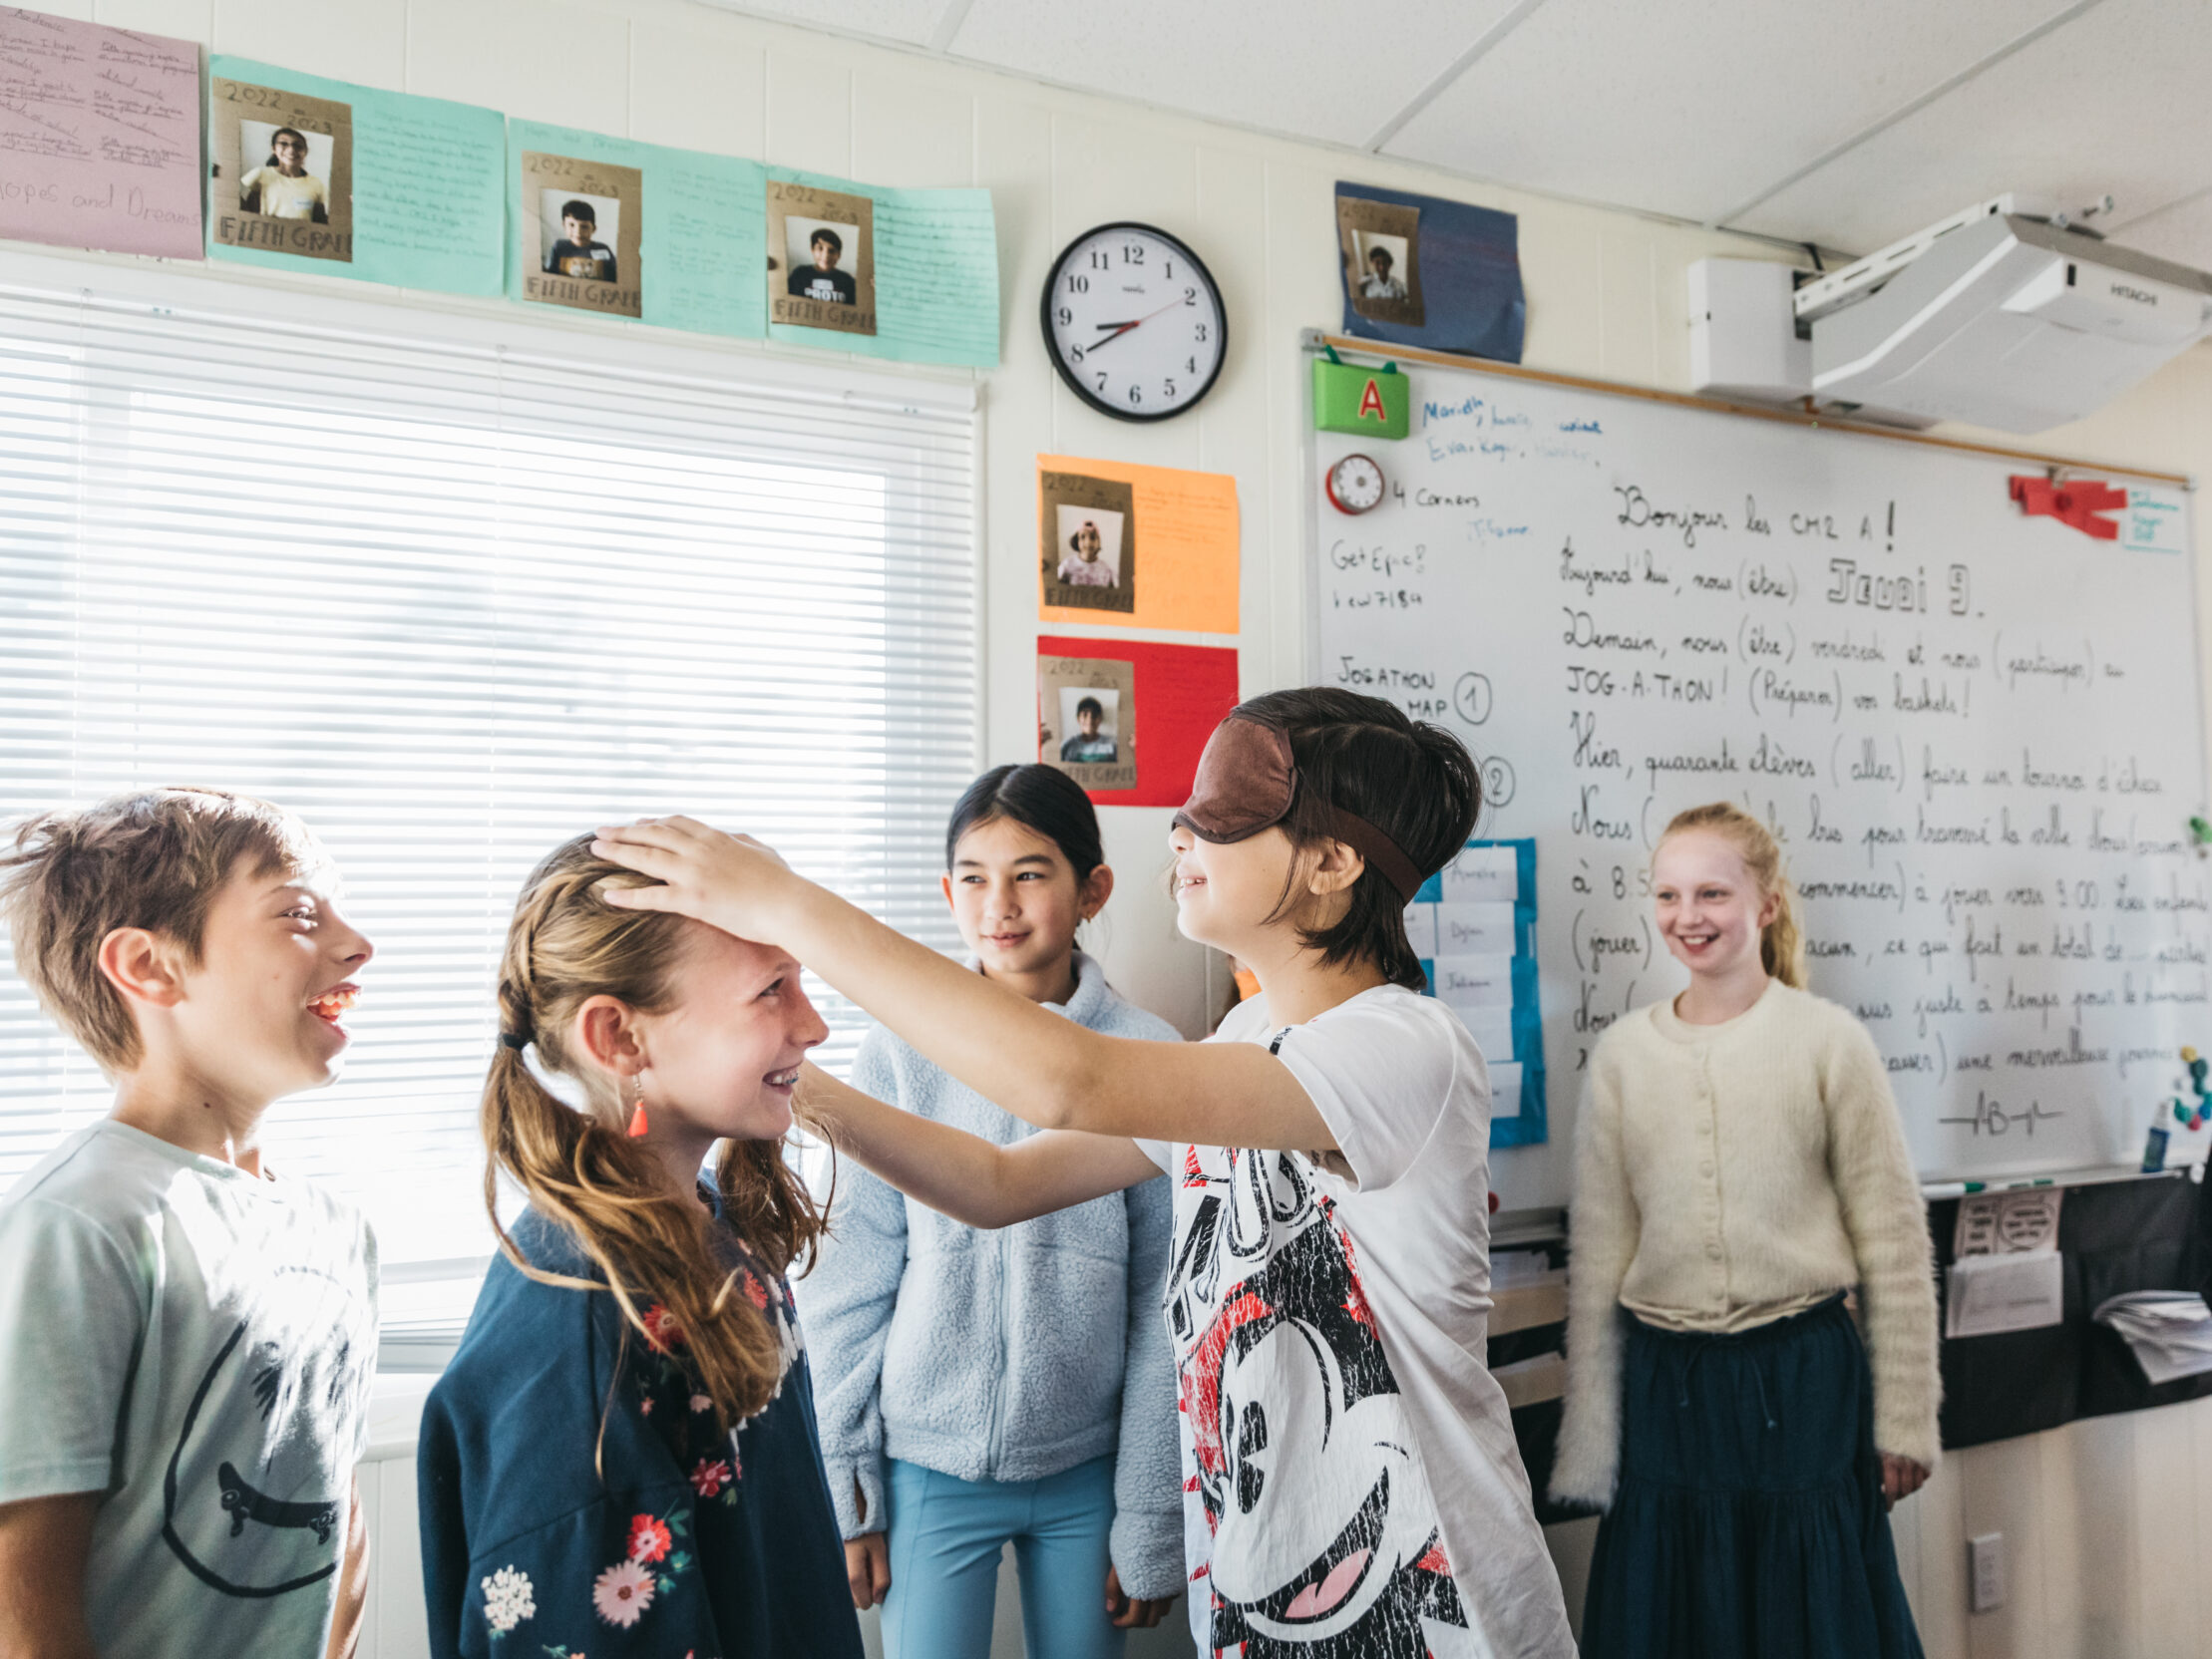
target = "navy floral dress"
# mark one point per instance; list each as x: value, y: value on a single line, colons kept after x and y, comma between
x: 547, y: 1536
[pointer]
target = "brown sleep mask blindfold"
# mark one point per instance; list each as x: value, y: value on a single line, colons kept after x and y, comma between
x: 1247, y: 782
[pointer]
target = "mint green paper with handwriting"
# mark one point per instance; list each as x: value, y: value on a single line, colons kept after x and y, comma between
x: 427, y: 208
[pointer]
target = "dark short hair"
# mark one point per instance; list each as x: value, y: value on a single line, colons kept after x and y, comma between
x: 580, y: 211
x: 1090, y: 705
x: 1039, y: 797
x: 1414, y: 781
x: 1382, y: 253
x: 822, y: 233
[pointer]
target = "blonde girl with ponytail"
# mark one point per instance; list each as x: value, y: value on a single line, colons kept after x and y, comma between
x: 621, y: 1457
x: 1741, y: 1167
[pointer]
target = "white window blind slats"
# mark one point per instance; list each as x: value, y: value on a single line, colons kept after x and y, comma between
x: 455, y: 602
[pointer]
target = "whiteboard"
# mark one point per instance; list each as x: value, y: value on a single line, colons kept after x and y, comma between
x: 1979, y: 735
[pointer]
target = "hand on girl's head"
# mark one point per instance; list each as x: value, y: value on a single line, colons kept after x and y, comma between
x: 703, y: 872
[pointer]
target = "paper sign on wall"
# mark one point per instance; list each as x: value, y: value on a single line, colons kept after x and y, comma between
x: 1423, y: 271
x: 318, y: 174
x: 906, y: 274
x: 1136, y: 547
x: 100, y: 129
x: 1127, y: 720
x: 674, y: 237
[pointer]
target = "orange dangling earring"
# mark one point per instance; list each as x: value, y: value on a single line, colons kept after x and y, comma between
x: 637, y: 1117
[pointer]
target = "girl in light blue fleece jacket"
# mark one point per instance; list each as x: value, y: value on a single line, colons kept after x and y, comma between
x: 976, y: 1387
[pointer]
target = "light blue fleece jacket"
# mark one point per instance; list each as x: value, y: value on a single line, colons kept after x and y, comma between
x: 1002, y: 1355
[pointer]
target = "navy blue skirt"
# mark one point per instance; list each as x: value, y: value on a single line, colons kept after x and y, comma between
x: 1748, y: 1519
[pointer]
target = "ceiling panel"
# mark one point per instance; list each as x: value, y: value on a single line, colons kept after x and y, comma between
x: 1319, y: 69
x: 1696, y: 108
x: 2119, y: 101
x: 908, y: 22
x: 2182, y: 231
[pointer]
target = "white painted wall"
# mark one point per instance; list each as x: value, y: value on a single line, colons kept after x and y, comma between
x: 2108, y: 1520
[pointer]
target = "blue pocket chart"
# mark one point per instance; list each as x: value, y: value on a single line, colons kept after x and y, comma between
x: 1473, y: 925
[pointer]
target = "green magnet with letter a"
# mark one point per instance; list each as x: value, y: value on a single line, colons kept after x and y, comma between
x: 1376, y: 403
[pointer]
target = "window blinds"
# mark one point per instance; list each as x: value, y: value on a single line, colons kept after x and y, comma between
x: 454, y: 598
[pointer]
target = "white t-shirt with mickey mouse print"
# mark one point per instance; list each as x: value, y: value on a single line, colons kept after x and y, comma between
x: 1350, y: 1479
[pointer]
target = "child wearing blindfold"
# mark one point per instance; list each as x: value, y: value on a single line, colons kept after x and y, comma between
x: 1350, y: 1474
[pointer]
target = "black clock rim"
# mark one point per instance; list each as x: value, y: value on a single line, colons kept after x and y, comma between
x: 1067, y: 375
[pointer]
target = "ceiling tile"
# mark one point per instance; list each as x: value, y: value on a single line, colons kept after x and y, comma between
x: 905, y: 21
x: 1694, y: 109
x: 2113, y: 102
x: 1314, y: 68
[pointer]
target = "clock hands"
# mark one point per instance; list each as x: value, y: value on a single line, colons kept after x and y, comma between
x: 1123, y: 328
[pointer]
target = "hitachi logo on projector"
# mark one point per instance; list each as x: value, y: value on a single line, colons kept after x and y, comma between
x: 1998, y: 318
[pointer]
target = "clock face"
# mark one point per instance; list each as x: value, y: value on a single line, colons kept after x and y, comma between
x: 1355, y: 485
x: 1134, y: 322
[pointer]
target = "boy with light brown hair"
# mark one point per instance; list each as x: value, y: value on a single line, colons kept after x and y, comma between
x: 186, y: 1336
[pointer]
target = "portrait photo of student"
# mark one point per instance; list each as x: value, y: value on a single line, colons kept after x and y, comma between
x: 295, y: 183
x: 1380, y: 243
x: 1088, y: 719
x: 576, y: 245
x: 581, y: 227
x: 1382, y: 258
x: 1087, y: 532
x: 282, y: 166
x: 1090, y: 541
x: 821, y: 257
x: 814, y: 269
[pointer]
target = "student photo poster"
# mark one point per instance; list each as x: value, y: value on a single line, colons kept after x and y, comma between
x: 412, y: 188
x: 1418, y: 270
x: 1157, y: 703
x: 1089, y: 572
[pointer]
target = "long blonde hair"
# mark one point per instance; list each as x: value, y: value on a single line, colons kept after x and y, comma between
x: 1782, y: 944
x: 581, y: 1172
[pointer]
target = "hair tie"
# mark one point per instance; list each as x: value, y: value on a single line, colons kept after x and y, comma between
x: 517, y: 1040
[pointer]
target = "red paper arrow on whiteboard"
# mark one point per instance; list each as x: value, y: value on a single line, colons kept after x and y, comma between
x: 2077, y: 502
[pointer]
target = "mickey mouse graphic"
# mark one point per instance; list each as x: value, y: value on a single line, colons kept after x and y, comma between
x: 1325, y: 1534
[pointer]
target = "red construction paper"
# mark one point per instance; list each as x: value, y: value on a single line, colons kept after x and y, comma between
x: 1182, y: 693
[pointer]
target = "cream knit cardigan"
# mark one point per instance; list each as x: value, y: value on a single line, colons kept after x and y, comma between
x: 1735, y: 1173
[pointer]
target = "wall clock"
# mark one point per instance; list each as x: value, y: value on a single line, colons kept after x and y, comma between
x: 1134, y: 322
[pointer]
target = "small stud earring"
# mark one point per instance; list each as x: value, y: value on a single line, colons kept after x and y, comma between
x: 637, y: 1117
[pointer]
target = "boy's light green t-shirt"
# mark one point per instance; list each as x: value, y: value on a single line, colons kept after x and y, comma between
x: 196, y: 1344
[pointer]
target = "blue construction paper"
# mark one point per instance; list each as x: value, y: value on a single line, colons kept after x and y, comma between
x: 1470, y: 264
x: 427, y: 208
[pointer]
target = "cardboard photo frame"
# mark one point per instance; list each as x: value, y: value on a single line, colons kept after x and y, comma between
x: 1073, y: 508
x: 252, y: 202
x: 1067, y: 687
x: 1370, y: 230
x: 549, y: 181
x: 821, y: 257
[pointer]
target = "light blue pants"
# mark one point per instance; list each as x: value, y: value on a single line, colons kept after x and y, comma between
x: 945, y: 1540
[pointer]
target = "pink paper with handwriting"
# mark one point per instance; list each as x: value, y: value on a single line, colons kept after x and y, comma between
x: 99, y: 137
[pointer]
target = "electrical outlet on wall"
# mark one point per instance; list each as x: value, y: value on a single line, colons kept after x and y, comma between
x: 1986, y: 1566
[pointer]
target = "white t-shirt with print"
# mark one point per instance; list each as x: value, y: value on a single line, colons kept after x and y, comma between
x: 1350, y: 1479
x: 195, y: 1343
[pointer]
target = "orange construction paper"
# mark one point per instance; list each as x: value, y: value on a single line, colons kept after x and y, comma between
x: 1186, y: 547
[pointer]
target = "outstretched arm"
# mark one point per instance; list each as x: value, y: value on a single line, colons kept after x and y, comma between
x: 1033, y: 1062
x: 961, y: 1175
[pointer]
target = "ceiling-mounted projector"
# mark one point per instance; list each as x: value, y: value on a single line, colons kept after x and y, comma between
x: 1996, y: 317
